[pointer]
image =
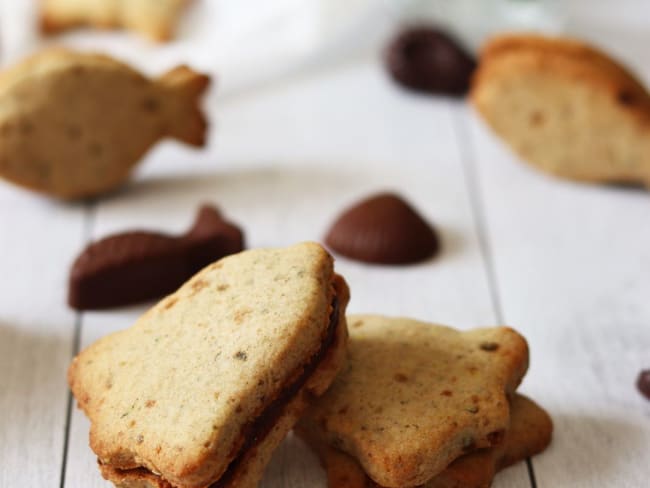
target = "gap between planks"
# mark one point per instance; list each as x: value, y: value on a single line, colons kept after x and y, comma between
x: 88, y: 222
x: 466, y: 151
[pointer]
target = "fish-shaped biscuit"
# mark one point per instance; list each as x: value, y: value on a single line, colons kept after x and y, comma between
x: 566, y: 108
x: 154, y: 19
x: 73, y: 124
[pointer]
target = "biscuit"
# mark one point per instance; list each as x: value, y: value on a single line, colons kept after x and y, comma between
x: 529, y: 433
x: 154, y: 19
x: 207, y: 383
x: 416, y: 396
x: 566, y: 108
x: 73, y: 124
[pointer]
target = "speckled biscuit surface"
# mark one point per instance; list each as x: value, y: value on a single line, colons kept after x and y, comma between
x: 153, y: 18
x: 73, y: 125
x: 529, y: 433
x: 175, y: 392
x: 566, y: 108
x: 250, y: 471
x: 415, y: 396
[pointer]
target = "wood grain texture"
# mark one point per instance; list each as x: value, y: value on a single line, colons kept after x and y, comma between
x: 37, y: 240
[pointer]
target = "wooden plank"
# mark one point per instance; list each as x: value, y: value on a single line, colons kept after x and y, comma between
x: 571, y: 263
x: 37, y: 239
x: 284, y: 164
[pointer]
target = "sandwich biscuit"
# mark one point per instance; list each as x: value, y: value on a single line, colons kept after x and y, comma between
x: 207, y: 383
x: 416, y: 396
x: 529, y: 433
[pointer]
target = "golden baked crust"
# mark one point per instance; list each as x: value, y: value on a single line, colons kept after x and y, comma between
x: 175, y: 393
x: 74, y: 124
x: 415, y: 396
x: 251, y: 469
x: 529, y: 433
x: 565, y: 107
x: 154, y: 19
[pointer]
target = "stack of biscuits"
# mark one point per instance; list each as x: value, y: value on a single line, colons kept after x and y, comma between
x: 202, y: 389
x: 421, y: 404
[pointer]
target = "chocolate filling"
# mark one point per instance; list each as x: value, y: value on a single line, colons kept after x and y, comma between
x: 255, y: 431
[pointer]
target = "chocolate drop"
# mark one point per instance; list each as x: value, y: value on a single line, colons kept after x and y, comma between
x: 383, y: 229
x: 428, y: 60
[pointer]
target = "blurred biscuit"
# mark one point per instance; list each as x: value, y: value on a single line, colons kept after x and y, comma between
x: 566, y: 108
x: 154, y: 19
x: 74, y: 125
x: 208, y: 382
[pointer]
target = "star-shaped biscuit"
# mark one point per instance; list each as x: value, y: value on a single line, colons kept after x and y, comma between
x: 529, y: 433
x: 207, y: 383
x: 416, y: 396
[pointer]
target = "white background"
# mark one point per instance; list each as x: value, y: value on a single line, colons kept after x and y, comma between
x: 303, y: 125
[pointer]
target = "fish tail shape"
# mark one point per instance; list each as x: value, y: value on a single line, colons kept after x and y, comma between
x: 186, y: 87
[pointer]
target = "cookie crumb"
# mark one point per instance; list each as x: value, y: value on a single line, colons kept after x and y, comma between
x: 624, y: 97
x: 489, y: 346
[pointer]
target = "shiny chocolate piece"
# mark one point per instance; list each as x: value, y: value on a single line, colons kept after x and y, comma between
x: 426, y: 59
x: 643, y: 383
x: 383, y: 229
x: 137, y: 266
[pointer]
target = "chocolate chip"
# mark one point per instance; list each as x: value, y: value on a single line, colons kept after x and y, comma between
x: 643, y: 383
x: 73, y: 132
x: 150, y: 105
x: 136, y: 266
x: 468, y: 443
x: 626, y: 98
x: 95, y: 149
x: 495, y: 437
x: 383, y: 229
x: 26, y: 127
x: 428, y: 60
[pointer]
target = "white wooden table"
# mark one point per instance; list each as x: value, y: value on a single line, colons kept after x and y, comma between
x: 568, y: 265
